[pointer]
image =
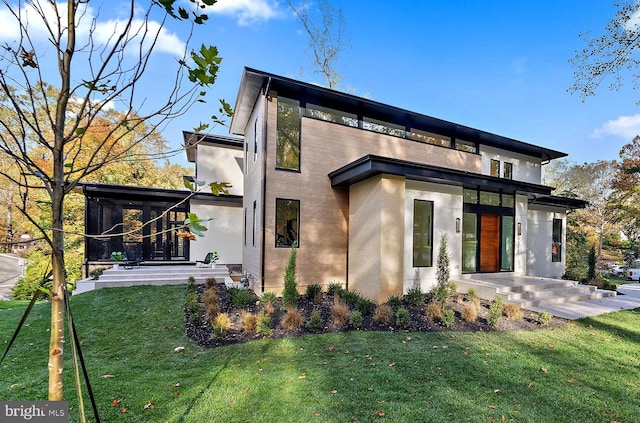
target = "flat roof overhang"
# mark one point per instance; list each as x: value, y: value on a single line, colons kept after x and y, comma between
x: 372, y: 165
x: 555, y: 201
x: 192, y: 140
x: 124, y: 192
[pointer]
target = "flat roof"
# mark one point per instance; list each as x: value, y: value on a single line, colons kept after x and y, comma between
x: 254, y: 82
x: 192, y: 140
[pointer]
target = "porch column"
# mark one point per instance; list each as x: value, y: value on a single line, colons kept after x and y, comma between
x: 376, y: 236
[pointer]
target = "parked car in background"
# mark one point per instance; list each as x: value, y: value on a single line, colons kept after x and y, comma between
x: 618, y: 270
x: 633, y: 274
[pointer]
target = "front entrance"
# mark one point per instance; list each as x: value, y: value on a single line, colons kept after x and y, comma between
x: 487, y: 232
x: 489, y: 243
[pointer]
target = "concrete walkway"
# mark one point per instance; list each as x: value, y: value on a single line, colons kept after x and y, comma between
x: 628, y: 298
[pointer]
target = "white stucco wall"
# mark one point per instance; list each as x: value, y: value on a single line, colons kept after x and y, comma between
x: 224, y: 233
x: 216, y: 163
x: 520, y: 241
x: 539, y: 235
x: 447, y: 206
x: 525, y: 168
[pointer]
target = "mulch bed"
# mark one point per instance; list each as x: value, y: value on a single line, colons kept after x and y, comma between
x: 204, y: 334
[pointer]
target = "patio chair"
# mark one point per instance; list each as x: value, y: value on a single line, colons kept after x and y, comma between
x: 130, y: 260
x: 207, y: 262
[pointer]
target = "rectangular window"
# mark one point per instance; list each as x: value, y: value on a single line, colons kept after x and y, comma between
x: 495, y: 168
x: 489, y: 198
x: 507, y: 171
x: 467, y: 146
x: 506, y: 253
x: 253, y: 224
x: 287, y: 223
x: 422, y: 233
x: 508, y: 200
x: 244, y: 231
x: 246, y: 155
x: 556, y: 241
x: 383, y: 127
x: 469, y: 242
x: 470, y: 196
x: 255, y: 140
x: 332, y: 115
x: 430, y: 138
x: 288, y: 134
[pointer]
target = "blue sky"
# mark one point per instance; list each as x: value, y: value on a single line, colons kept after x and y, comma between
x: 499, y: 66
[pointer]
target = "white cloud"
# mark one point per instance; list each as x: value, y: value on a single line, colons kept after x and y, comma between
x: 624, y: 126
x: 247, y: 11
x: 103, y: 33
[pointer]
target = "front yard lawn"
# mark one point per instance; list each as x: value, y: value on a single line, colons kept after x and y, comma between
x: 584, y: 371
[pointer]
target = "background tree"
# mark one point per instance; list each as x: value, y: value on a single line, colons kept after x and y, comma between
x: 611, y: 56
x: 92, y: 74
x: 326, y: 29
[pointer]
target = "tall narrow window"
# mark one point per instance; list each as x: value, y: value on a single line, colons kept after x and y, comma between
x: 422, y: 233
x: 245, y: 226
x: 288, y: 134
x: 255, y: 140
x: 507, y: 171
x: 556, y: 241
x: 287, y: 223
x: 495, y: 168
x: 253, y: 225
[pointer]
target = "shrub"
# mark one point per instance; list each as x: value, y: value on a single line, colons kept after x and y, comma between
x: 355, y: 319
x: 394, y: 301
x: 96, y: 273
x: 191, y: 284
x: 448, y: 317
x: 442, y: 291
x: 469, y: 312
x: 240, y: 297
x: 195, y: 318
x: 382, y: 315
x: 434, y: 311
x: 471, y: 294
x: 351, y: 298
x: 495, y: 310
x: 544, y: 317
x: 249, y: 322
x: 334, y: 288
x: 476, y: 303
x: 403, y: 318
x: 264, y: 324
x: 290, y: 291
x: 221, y: 324
x: 210, y: 282
x: 292, y: 319
x: 191, y: 301
x: 313, y: 292
x: 415, y: 296
x: 315, y: 323
x: 339, y: 313
x: 211, y: 302
x: 513, y: 311
x: 365, y: 307
x: 592, y: 260
x: 268, y: 298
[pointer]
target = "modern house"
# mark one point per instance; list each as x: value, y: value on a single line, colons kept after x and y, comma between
x: 366, y: 190
x: 363, y: 190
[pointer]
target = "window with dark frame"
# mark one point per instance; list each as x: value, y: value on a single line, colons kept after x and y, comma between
x: 507, y: 171
x: 422, y: 233
x: 255, y: 139
x: 287, y: 223
x: 495, y: 168
x: 253, y: 224
x: 288, y: 134
x: 556, y: 241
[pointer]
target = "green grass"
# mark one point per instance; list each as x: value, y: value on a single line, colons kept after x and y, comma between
x: 587, y: 371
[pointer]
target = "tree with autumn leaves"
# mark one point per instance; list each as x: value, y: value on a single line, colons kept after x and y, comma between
x: 58, y: 130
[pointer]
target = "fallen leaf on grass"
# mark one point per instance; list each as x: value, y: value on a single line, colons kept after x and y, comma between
x: 106, y: 376
x: 115, y: 402
x: 492, y: 406
x: 552, y: 346
x: 178, y: 349
x: 570, y: 380
x: 380, y: 414
x: 148, y: 405
x: 316, y: 414
x: 544, y: 370
x: 331, y: 348
x: 392, y: 364
x: 334, y: 391
x: 123, y: 410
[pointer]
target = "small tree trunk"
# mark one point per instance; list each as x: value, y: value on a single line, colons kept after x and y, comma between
x: 57, y: 299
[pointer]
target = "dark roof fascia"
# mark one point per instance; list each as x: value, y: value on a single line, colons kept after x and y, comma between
x: 124, y: 192
x: 371, y: 165
x: 255, y: 80
x: 564, y: 202
x: 192, y: 140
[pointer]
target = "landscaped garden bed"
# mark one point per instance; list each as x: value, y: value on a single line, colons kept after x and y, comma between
x: 216, y: 316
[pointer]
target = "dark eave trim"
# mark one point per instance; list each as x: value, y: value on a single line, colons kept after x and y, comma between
x: 372, y: 165
x: 253, y: 81
x: 555, y: 201
x: 124, y: 192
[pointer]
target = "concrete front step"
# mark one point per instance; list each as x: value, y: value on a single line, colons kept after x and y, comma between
x: 152, y: 275
x: 530, y: 292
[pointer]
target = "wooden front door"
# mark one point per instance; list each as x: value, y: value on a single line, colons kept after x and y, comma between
x: 489, y: 243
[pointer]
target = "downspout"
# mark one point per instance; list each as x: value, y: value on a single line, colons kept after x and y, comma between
x: 265, y: 115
